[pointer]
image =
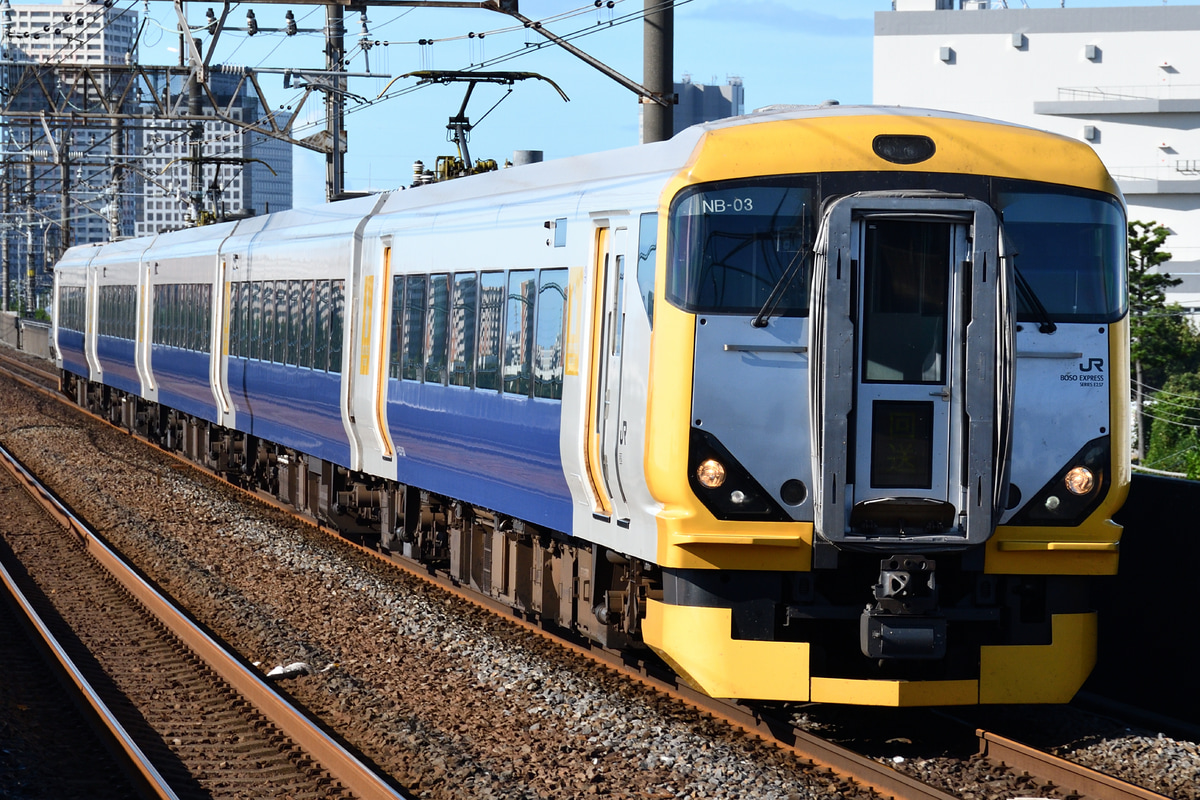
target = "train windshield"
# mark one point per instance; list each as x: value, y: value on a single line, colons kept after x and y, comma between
x: 1069, y: 248
x: 732, y: 242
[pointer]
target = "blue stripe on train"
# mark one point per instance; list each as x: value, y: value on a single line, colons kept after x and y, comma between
x: 116, y: 361
x: 183, y: 383
x: 70, y: 348
x: 293, y: 406
x: 493, y: 450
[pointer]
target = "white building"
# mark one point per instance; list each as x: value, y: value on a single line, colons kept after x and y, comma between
x: 705, y: 103
x: 1125, y: 80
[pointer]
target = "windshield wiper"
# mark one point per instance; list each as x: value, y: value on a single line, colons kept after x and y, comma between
x: 781, y: 286
x: 1045, y: 324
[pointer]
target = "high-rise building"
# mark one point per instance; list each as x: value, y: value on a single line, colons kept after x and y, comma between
x: 1124, y: 80
x: 704, y: 103
x: 246, y: 172
x: 42, y: 177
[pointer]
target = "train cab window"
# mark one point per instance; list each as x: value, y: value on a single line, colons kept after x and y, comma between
x: 412, y: 360
x: 491, y: 322
x: 647, y: 257
x: 1069, y: 248
x: 464, y: 314
x: 732, y: 243
x: 518, y: 337
x: 437, y: 329
x: 548, y: 348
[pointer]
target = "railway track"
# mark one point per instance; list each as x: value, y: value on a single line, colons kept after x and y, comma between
x: 851, y: 774
x: 191, y: 720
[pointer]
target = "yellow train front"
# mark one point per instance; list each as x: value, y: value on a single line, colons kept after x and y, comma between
x: 887, y: 417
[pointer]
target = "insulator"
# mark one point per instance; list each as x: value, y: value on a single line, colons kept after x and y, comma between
x: 251, y: 23
x: 289, y: 26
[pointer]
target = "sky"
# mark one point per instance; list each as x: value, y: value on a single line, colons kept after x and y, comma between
x: 785, y: 51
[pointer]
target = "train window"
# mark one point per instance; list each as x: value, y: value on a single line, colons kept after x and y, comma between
x: 323, y: 326
x: 337, y: 310
x: 491, y: 328
x: 268, y: 323
x: 437, y: 329
x: 308, y: 316
x: 463, y: 317
x: 1069, y: 248
x: 282, y: 313
x: 548, y: 349
x: 518, y: 322
x: 235, y: 319
x: 255, y: 349
x: 191, y: 313
x: 292, y: 334
x: 206, y: 318
x: 647, y: 257
x: 619, y: 322
x: 732, y: 243
x: 397, y: 327
x: 412, y: 360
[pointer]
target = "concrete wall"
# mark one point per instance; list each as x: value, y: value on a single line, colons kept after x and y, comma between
x: 23, y: 334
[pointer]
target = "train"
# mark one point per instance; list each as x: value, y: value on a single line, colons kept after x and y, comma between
x: 820, y: 404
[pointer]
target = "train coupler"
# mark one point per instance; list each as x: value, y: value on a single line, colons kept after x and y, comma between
x: 902, y: 622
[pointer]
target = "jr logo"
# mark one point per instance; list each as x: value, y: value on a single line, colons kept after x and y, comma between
x: 1093, y: 363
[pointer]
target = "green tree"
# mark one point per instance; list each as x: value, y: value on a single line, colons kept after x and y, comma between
x: 1174, y: 434
x: 1162, y: 343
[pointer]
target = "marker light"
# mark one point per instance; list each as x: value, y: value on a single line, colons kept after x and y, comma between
x: 1080, y: 480
x: 737, y: 497
x: 710, y: 473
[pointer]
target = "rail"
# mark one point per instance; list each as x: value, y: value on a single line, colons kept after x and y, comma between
x: 342, y: 765
x: 1082, y: 781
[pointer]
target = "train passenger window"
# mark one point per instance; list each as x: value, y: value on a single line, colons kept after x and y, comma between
x: 321, y: 336
x: 548, y: 348
x: 206, y: 318
x: 491, y: 327
x: 619, y: 327
x: 437, y: 329
x: 235, y: 319
x: 268, y: 323
x: 337, y: 310
x: 733, y: 242
x: 282, y: 313
x: 1069, y: 248
x: 463, y: 319
x: 174, y: 315
x: 647, y: 257
x: 412, y: 362
x: 412, y: 351
x: 255, y: 342
x: 292, y: 324
x: 191, y: 312
x: 518, y: 340
x: 308, y: 316
x: 396, y: 342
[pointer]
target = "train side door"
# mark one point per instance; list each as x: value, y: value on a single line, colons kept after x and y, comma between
x: 911, y: 378
x: 606, y: 439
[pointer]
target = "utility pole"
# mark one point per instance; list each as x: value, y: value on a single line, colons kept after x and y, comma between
x: 5, y: 208
x: 118, y: 177
x: 195, y: 143
x: 335, y: 101
x: 658, y: 56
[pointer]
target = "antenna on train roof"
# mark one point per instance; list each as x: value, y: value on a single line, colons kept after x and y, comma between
x: 460, y: 126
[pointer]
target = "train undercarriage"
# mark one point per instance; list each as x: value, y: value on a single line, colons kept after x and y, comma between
x: 540, y: 574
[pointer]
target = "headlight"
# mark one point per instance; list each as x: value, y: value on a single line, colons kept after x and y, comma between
x: 710, y: 473
x: 1079, y: 480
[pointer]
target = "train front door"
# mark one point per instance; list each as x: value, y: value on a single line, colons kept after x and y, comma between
x: 914, y: 376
